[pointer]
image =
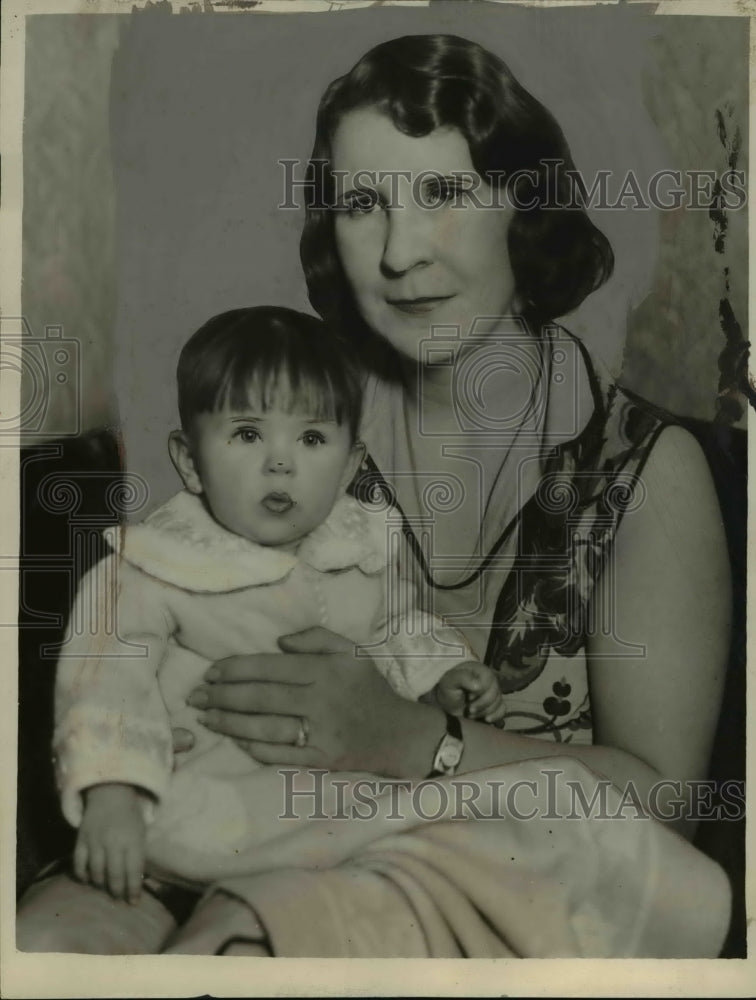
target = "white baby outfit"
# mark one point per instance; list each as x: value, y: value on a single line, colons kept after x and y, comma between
x: 186, y: 592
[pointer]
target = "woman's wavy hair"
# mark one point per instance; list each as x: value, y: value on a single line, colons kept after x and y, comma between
x: 424, y: 82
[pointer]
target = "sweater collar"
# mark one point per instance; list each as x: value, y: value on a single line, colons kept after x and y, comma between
x: 181, y: 544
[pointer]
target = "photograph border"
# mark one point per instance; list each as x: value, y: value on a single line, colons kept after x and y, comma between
x: 33, y: 975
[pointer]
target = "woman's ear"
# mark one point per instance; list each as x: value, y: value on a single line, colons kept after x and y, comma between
x: 355, y: 460
x: 181, y: 455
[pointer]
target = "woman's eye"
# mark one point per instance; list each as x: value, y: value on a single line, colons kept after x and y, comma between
x: 440, y: 190
x: 312, y: 438
x: 361, y: 202
x: 248, y: 434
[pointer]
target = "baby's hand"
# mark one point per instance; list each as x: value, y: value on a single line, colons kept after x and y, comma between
x: 471, y: 689
x: 110, y: 846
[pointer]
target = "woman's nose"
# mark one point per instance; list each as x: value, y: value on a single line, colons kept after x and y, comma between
x: 409, y: 241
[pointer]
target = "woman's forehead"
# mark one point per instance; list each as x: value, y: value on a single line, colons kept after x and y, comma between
x: 367, y: 145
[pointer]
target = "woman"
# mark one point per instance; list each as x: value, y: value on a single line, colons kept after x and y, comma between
x: 550, y: 522
x: 385, y: 265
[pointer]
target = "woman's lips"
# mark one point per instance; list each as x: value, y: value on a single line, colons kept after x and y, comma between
x: 277, y: 503
x: 419, y: 306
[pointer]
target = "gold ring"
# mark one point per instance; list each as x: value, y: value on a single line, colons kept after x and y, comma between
x: 303, y: 734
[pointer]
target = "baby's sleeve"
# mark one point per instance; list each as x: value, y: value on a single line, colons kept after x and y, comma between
x: 111, y: 725
x: 411, y: 647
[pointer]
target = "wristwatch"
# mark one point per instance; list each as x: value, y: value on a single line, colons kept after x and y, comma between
x: 449, y: 750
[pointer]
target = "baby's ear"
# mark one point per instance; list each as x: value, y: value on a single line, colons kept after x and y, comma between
x: 355, y: 460
x: 181, y: 455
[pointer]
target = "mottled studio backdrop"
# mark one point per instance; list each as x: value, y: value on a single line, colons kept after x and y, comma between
x: 151, y: 182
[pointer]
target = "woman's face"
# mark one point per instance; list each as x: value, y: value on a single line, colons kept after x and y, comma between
x: 417, y: 251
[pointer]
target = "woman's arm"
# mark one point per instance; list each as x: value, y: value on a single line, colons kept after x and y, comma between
x: 668, y: 590
x: 660, y: 629
x: 356, y: 722
x: 666, y: 587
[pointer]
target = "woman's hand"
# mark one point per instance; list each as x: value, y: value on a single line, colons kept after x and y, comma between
x: 316, y: 687
x: 183, y: 740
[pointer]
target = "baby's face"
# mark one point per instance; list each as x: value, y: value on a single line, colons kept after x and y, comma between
x: 271, y: 476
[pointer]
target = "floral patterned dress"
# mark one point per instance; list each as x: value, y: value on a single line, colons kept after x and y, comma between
x: 558, y: 542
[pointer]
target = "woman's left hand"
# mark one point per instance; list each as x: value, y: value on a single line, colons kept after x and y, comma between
x: 316, y: 687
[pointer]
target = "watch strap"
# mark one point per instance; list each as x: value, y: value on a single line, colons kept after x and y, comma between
x: 448, y: 753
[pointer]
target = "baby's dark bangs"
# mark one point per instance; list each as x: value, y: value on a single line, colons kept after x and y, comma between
x: 283, y: 385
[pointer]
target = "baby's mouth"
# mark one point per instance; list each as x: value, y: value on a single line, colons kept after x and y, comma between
x: 278, y: 503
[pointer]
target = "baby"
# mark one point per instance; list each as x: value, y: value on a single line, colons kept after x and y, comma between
x: 262, y: 542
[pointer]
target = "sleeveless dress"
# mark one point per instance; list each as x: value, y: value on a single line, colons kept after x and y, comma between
x: 553, y: 548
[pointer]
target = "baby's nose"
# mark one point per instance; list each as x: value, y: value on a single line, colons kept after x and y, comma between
x: 280, y: 462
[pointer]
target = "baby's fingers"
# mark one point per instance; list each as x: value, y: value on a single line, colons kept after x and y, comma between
x: 497, y: 713
x: 484, y: 702
x: 465, y: 676
x: 134, y: 868
x: 97, y: 865
x: 116, y: 873
x: 451, y: 700
x: 81, y: 860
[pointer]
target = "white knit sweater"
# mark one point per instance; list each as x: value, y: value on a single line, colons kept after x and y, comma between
x: 180, y: 592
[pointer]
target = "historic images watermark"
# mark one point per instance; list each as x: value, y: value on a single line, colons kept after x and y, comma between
x: 554, y: 187
x: 555, y: 797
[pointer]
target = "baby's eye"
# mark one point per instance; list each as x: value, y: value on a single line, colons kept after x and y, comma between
x: 312, y: 438
x: 248, y: 434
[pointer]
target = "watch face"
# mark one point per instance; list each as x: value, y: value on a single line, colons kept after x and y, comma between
x: 449, y: 755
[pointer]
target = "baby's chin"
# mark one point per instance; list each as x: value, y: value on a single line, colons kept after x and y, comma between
x: 291, y: 545
x: 285, y: 535
x: 286, y: 541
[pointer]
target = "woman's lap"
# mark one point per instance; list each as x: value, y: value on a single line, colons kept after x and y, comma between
x: 61, y: 914
x: 220, y: 925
